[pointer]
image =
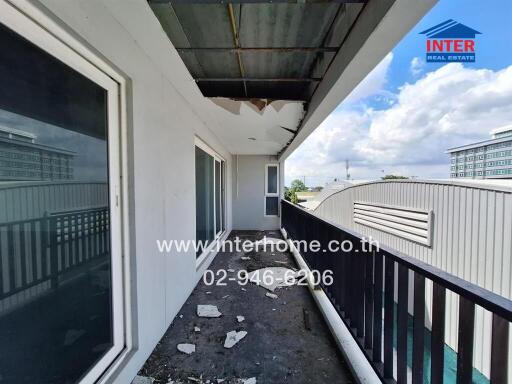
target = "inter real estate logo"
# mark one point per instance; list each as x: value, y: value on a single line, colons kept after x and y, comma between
x: 450, y: 41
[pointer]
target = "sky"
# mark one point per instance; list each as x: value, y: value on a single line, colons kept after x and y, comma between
x: 404, y: 115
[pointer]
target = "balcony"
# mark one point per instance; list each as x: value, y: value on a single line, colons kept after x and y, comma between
x: 126, y: 123
x: 285, y: 335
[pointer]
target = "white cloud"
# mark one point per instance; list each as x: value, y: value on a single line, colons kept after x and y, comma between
x: 448, y: 107
x: 373, y: 82
x: 417, y: 66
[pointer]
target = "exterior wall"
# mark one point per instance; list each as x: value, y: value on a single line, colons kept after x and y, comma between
x: 249, y: 193
x: 472, y: 239
x: 162, y: 128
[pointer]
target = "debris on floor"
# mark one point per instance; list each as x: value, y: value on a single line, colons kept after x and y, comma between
x: 271, y: 295
x: 187, y: 348
x: 251, y: 380
x: 225, y: 297
x: 245, y: 258
x: 307, y: 323
x: 243, y: 289
x: 272, y: 243
x: 143, y: 380
x: 231, y: 270
x: 240, y: 318
x: 233, y: 337
x: 208, y: 311
x: 273, y: 277
x: 197, y: 329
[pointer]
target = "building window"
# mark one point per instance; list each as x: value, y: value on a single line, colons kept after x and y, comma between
x: 210, y: 192
x: 271, y: 190
x: 64, y: 239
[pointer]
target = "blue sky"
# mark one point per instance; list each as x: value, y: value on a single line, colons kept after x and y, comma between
x: 406, y: 113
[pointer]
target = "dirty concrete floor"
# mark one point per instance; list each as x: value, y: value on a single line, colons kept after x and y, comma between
x: 277, y: 349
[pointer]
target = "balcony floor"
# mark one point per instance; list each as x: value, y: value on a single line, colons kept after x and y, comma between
x: 277, y: 349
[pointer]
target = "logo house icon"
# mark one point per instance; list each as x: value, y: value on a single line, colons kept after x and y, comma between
x: 450, y: 41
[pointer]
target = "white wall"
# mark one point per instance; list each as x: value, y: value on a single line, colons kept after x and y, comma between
x: 163, y: 127
x: 249, y: 193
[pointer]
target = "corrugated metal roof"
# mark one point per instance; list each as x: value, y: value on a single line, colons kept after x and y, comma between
x: 257, y: 50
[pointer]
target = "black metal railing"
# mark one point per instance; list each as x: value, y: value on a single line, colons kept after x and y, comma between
x: 364, y: 288
x: 50, y: 247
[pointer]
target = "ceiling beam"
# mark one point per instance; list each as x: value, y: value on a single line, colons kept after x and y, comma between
x: 258, y: 49
x: 282, y: 79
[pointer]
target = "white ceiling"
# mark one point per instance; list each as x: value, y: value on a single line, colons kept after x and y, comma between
x: 237, y: 121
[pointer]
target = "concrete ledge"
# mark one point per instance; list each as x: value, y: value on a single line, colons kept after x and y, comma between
x: 360, y: 367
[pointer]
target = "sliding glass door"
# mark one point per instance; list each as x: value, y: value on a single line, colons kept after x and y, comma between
x: 61, y: 314
x: 210, y: 196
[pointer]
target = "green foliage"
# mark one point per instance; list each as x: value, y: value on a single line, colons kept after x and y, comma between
x: 394, y: 177
x: 298, y: 186
x: 294, y: 198
x: 290, y: 193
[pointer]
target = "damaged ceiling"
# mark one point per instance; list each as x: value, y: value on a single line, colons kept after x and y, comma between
x: 256, y: 49
x: 259, y: 53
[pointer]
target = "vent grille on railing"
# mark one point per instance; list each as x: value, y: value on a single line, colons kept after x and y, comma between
x: 410, y: 224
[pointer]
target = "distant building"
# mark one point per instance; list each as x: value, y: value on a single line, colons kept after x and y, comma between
x: 22, y: 159
x: 490, y: 159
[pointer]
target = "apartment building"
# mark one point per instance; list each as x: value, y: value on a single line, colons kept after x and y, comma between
x: 23, y: 159
x: 490, y: 159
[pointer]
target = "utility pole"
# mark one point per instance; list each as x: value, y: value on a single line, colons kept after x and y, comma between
x: 347, y: 168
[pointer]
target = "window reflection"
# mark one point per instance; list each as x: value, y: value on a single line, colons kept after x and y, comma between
x: 55, y: 262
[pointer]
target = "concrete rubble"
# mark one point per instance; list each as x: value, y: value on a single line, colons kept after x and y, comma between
x: 187, y: 348
x: 233, y: 337
x: 208, y: 311
x: 143, y: 380
x: 272, y: 278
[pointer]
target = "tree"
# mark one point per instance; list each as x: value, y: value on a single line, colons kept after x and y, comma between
x: 290, y: 193
x: 298, y: 186
x: 394, y: 177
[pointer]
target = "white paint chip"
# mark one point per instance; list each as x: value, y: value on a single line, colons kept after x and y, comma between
x: 233, y: 337
x: 271, y: 295
x: 251, y: 380
x: 231, y: 270
x: 273, y: 277
x: 197, y: 329
x: 187, y: 348
x: 208, y: 311
x: 143, y: 380
x: 245, y: 258
x: 240, y: 318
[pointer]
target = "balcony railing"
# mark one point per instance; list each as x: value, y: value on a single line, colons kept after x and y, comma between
x: 55, y: 246
x: 373, y: 307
